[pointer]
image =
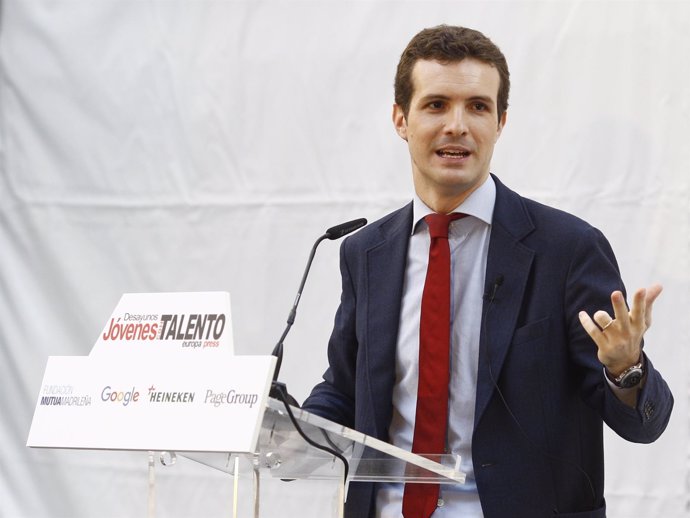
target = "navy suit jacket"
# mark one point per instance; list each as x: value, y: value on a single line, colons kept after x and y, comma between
x: 539, y: 452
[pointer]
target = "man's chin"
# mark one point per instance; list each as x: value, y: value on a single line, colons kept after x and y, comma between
x: 460, y: 177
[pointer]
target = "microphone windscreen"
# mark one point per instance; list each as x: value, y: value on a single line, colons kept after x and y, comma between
x: 344, y: 229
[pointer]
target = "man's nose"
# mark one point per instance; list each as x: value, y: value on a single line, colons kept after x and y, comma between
x: 456, y: 122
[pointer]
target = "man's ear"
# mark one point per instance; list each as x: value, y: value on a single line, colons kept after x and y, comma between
x: 501, y: 124
x: 399, y: 121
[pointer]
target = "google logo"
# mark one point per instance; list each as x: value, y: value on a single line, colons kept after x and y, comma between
x: 119, y: 397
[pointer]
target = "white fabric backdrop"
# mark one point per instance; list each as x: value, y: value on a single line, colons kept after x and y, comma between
x: 170, y: 145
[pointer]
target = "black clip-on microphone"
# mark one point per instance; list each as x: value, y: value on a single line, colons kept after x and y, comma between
x: 332, y: 233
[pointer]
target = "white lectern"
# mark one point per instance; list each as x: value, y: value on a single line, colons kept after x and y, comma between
x: 282, y: 453
x: 162, y: 378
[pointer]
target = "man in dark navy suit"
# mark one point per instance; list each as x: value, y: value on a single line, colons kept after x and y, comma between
x: 543, y: 348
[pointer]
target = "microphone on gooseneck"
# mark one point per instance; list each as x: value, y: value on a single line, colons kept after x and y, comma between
x: 332, y: 233
x: 278, y: 389
x: 344, y: 229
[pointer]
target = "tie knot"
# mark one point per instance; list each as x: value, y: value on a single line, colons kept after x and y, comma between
x: 439, y: 223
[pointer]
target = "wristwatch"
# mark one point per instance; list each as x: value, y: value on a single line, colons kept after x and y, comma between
x: 630, y: 377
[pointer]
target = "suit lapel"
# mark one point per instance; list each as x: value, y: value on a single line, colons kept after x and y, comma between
x: 385, y: 273
x: 510, y: 260
x: 385, y: 262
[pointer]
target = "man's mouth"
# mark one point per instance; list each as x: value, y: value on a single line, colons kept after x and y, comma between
x: 453, y: 153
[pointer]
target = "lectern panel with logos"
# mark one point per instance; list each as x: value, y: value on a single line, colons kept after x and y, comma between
x: 163, y: 378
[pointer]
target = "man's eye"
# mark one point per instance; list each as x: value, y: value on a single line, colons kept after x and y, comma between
x: 436, y: 105
x: 480, y: 107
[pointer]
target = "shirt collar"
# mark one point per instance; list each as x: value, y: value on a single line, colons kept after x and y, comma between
x: 479, y: 204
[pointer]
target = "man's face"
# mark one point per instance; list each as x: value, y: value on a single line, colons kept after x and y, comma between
x: 451, y: 129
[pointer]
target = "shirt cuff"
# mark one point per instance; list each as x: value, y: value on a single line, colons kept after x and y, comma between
x: 625, y: 395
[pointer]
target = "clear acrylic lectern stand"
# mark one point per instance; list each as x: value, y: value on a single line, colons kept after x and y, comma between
x: 284, y: 454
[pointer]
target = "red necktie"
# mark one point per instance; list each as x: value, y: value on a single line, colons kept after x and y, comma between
x: 431, y: 419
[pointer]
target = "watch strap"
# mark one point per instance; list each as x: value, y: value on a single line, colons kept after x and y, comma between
x: 630, y: 377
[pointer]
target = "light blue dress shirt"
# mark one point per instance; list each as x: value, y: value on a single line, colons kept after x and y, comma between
x: 469, y: 245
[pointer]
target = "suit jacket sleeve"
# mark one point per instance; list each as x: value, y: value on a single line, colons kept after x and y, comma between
x: 334, y: 398
x: 593, y: 258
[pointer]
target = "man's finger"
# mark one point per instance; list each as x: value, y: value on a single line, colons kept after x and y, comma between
x: 639, y: 307
x: 588, y: 324
x: 652, y: 293
x: 602, y: 318
x: 620, y: 309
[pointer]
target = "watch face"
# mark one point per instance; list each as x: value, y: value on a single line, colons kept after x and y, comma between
x: 631, y: 378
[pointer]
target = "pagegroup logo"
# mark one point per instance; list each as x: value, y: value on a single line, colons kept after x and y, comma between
x: 117, y: 396
x: 230, y: 397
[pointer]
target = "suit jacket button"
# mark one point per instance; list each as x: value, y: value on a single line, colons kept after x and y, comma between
x: 440, y: 503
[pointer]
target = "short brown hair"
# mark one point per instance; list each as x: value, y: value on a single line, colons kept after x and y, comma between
x: 449, y: 44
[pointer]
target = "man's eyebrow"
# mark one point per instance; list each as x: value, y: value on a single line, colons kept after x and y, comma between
x: 441, y: 97
x: 434, y: 97
x: 483, y: 98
